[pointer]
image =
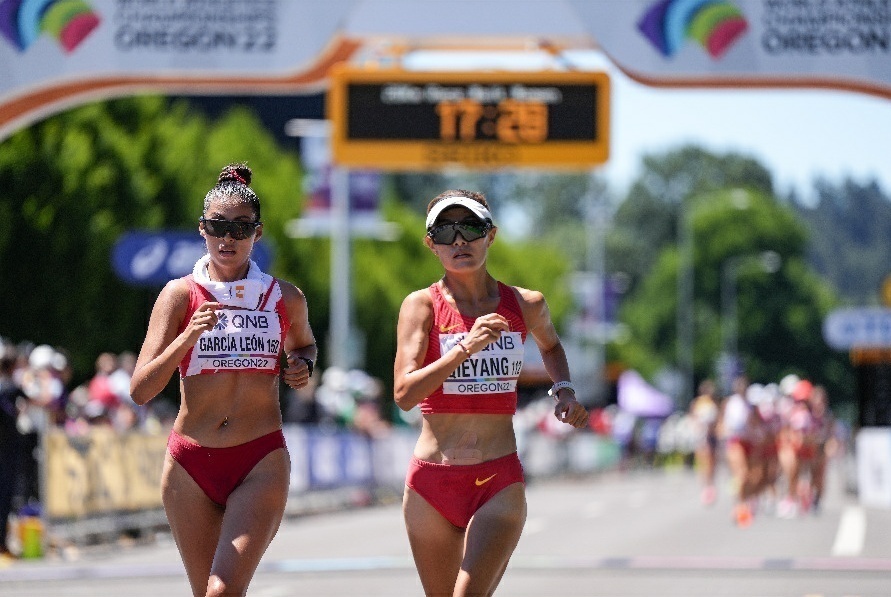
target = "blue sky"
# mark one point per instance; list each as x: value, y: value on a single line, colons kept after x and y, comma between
x: 797, y: 134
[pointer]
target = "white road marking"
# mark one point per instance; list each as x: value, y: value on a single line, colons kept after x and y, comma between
x: 851, y: 532
x: 272, y: 592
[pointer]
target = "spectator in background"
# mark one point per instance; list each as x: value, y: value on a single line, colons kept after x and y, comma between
x: 367, y: 418
x: 44, y: 386
x: 43, y: 381
x: 300, y: 404
x: 128, y: 414
x: 335, y: 396
x: 762, y: 441
x: 824, y: 442
x: 738, y: 446
x: 768, y: 408
x: 103, y: 398
x: 796, y: 451
x: 623, y: 426
x: 119, y: 380
x: 10, y: 439
x: 704, y: 413
x: 76, y: 423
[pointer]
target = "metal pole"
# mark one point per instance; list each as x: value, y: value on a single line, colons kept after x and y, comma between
x: 770, y: 262
x: 596, y: 214
x: 341, y: 300
x: 729, y: 308
x: 685, y: 306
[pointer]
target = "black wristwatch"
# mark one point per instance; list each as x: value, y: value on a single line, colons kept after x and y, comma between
x: 310, y: 364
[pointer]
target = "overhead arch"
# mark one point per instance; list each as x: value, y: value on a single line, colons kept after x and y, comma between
x: 114, y: 48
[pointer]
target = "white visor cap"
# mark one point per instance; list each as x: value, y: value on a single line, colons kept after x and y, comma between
x: 477, y: 208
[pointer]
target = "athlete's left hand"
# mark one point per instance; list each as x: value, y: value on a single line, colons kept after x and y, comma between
x: 296, y: 373
x: 569, y: 411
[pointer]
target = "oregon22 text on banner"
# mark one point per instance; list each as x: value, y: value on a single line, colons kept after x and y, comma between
x: 397, y: 119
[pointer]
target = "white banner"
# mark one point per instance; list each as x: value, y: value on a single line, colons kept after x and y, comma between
x: 56, y: 53
x: 823, y: 43
x: 251, y: 38
x: 873, y: 449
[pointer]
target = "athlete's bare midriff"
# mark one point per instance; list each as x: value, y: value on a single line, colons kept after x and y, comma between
x: 228, y: 408
x: 460, y: 439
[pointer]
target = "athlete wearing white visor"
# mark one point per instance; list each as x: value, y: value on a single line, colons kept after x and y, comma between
x: 475, y: 207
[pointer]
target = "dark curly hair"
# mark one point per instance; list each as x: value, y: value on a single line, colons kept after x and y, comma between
x: 233, y: 185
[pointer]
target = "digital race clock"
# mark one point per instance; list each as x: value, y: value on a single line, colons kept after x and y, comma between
x: 396, y: 119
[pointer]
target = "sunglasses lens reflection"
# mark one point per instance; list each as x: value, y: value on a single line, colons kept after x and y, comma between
x: 237, y: 230
x: 447, y: 233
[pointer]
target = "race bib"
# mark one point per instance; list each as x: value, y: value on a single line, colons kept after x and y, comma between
x: 242, y: 339
x: 493, y: 370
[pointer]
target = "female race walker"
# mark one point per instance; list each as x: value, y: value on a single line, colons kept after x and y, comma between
x: 225, y: 327
x: 459, y: 353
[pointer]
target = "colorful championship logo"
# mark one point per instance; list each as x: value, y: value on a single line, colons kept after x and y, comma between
x: 68, y: 21
x: 715, y: 24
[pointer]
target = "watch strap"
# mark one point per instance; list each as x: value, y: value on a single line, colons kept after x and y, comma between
x: 561, y: 385
x: 310, y: 364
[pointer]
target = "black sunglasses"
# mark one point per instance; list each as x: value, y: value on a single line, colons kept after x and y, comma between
x: 220, y: 228
x: 445, y: 234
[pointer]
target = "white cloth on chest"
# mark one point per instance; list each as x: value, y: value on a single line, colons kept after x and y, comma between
x: 245, y: 293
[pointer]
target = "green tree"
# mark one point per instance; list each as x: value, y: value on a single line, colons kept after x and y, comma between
x: 76, y: 181
x: 561, y: 209
x: 780, y: 314
x: 647, y: 220
x: 849, y: 226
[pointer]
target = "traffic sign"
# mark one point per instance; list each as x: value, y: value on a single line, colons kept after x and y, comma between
x: 397, y: 119
x: 858, y: 328
x: 155, y: 257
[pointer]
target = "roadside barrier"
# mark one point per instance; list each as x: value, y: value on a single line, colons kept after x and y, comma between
x: 103, y: 483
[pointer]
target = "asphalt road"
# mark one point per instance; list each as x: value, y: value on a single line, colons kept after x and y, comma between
x: 631, y: 534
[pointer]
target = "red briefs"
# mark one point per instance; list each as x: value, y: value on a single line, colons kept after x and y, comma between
x: 747, y: 446
x: 458, y: 491
x: 806, y: 452
x: 218, y: 471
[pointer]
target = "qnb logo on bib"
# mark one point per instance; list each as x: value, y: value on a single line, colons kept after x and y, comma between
x: 493, y: 370
x: 242, y: 339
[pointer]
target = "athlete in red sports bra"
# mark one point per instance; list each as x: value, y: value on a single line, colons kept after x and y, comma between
x: 226, y: 327
x: 458, y: 356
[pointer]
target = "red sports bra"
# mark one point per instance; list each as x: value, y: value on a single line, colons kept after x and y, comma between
x: 485, y: 383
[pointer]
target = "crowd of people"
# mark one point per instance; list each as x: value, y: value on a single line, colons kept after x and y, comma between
x: 44, y: 375
x: 36, y: 396
x: 775, y: 439
x: 771, y: 442
x: 343, y: 398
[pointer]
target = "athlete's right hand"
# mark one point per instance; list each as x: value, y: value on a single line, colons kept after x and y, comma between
x: 203, y: 319
x: 485, y: 330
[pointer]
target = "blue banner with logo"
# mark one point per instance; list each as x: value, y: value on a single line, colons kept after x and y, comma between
x: 154, y: 257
